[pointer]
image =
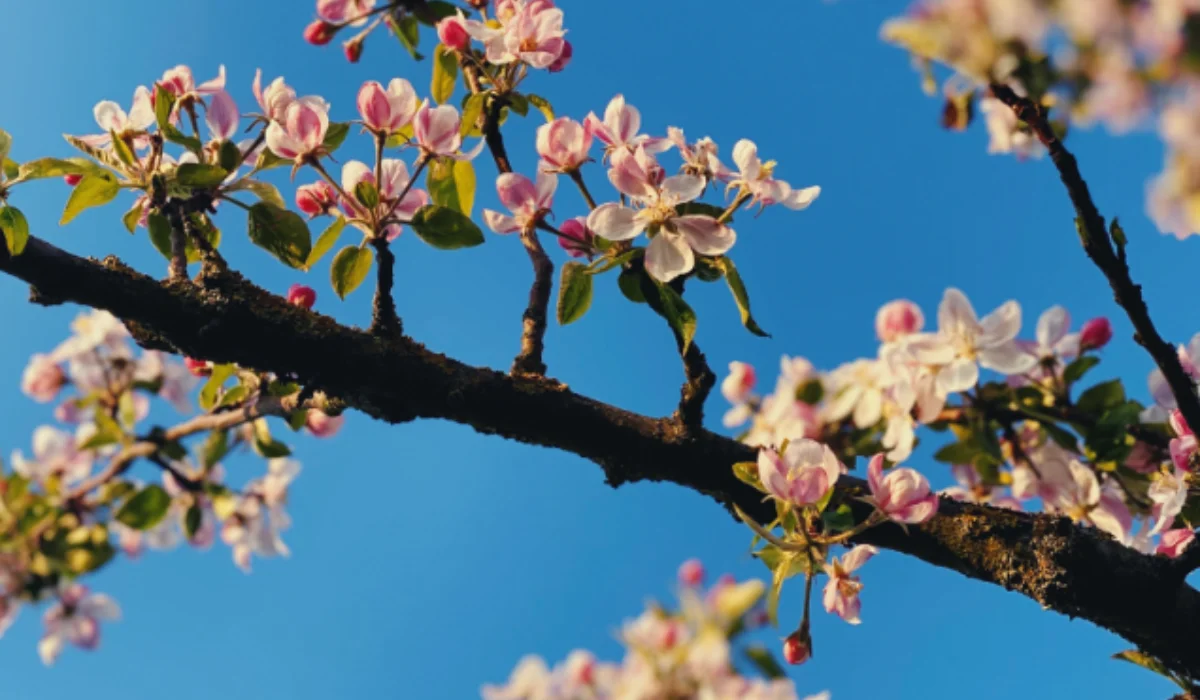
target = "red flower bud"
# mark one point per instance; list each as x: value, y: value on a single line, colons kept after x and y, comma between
x: 452, y: 31
x: 353, y: 49
x: 797, y: 649
x: 319, y: 32
x: 1095, y: 334
x: 302, y: 296
x: 563, y: 58
x: 198, y: 368
x: 72, y: 179
x: 691, y: 573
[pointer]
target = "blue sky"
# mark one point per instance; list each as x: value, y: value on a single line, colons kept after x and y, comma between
x: 427, y: 559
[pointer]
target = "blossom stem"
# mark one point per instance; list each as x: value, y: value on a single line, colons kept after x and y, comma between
x: 577, y: 177
x: 737, y: 202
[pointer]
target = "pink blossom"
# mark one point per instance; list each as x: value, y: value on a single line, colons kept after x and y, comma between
x: 352, y: 11
x: 316, y: 199
x: 42, y: 379
x: 222, y: 116
x: 802, y: 475
x: 533, y: 35
x: 1095, y: 334
x: 274, y: 100
x: 322, y: 425
x: 577, y: 239
x: 529, y: 203
x: 112, y: 119
x: 436, y: 130
x: 699, y: 158
x: 452, y: 31
x: 563, y: 144
x: 1174, y: 542
x: 179, y: 82
x: 395, y: 180
x: 620, y: 128
x: 54, y: 455
x: 75, y: 618
x: 903, y: 495
x: 1080, y: 496
x: 691, y: 573
x: 302, y: 296
x: 387, y: 111
x: 971, y: 489
x: 757, y: 179
x: 897, y: 319
x: 301, y: 134
x: 842, y: 589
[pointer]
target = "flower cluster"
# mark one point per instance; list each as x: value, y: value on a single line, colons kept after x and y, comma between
x: 688, y: 653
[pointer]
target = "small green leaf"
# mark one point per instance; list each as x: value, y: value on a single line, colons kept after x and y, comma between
x: 265, y: 445
x: 265, y: 191
x: 747, y: 473
x: 445, y: 229
x: 437, y: 10
x: 574, y: 293
x: 1101, y: 397
x: 234, y: 396
x: 701, y: 209
x: 325, y: 242
x: 1075, y: 371
x: 164, y: 102
x: 229, y: 156
x: 281, y: 233
x: 734, y: 280
x: 472, y: 108
x: 349, y: 269
x: 957, y: 453
x: 451, y: 184
x: 268, y: 160
x: 192, y: 520
x: 407, y: 31
x: 518, y: 103
x: 367, y: 194
x: 122, y: 149
x: 146, y: 509
x: 445, y: 74
x: 1060, y: 435
x: 212, y: 388
x: 200, y: 175
x: 630, y: 283
x: 400, y: 137
x: 16, y: 229
x: 543, y: 106
x: 671, y: 306
x: 335, y: 135
x: 5, y: 144
x: 839, y: 519
x: 92, y: 191
x: 57, y: 167
x: 10, y: 167
x: 160, y: 233
x: 133, y: 217
x: 215, y: 447
x: 1118, y: 233
x: 762, y: 659
x: 602, y: 265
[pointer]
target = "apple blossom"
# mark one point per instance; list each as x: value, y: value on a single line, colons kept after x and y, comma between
x: 301, y: 133
x: 756, y: 179
x: 322, y: 425
x: 532, y: 35
x: 802, y: 474
x: 275, y: 99
x: 577, y: 239
x: 54, y: 455
x: 898, y: 319
x: 353, y: 12
x: 903, y: 495
x: 75, y: 618
x: 452, y: 31
x: 436, y: 130
x: 42, y: 379
x: 699, y: 158
x: 1054, y: 342
x: 222, y: 116
x: 971, y: 489
x: 1095, y: 334
x: 1083, y: 499
x: 302, y: 296
x: 387, y: 111
x: 563, y: 144
x: 857, y: 387
x: 395, y: 211
x: 737, y: 388
x: 113, y: 120
x: 529, y: 203
x: 1174, y: 542
x: 842, y: 589
x: 179, y: 82
x: 317, y: 199
x: 1168, y: 493
x: 619, y: 129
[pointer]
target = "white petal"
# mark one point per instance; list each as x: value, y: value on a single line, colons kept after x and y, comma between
x: 1052, y: 326
x: 955, y: 312
x: 959, y: 375
x: 1007, y: 359
x: 1002, y: 325
x: 683, y: 188
x: 668, y: 256
x: 500, y: 223
x: 614, y: 222
x: 704, y: 234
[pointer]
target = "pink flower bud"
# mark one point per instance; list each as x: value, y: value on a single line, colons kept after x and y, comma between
x: 385, y: 111
x: 691, y: 573
x: 796, y: 649
x: 1173, y: 542
x: 452, y: 31
x: 577, y: 237
x: 903, y: 495
x: 316, y: 199
x: 42, y: 379
x: 322, y: 425
x: 563, y: 58
x: 319, y: 32
x: 302, y: 296
x: 72, y: 179
x: 353, y: 49
x: 897, y: 319
x: 1095, y: 334
x: 198, y: 368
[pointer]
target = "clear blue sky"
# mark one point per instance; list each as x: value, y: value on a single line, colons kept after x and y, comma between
x: 427, y: 559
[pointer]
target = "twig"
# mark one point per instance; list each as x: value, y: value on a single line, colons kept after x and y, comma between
x: 699, y: 382
x: 1098, y: 244
x: 385, y: 322
x: 177, y: 268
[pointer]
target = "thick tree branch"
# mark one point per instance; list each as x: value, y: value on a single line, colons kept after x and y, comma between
x: 1073, y: 570
x: 1098, y: 244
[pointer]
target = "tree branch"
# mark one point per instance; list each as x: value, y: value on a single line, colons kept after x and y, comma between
x: 1098, y: 244
x: 385, y: 322
x: 1076, y: 571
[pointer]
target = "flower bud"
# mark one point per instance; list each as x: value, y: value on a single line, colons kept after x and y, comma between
x: 897, y: 319
x: 302, y: 296
x: 316, y: 199
x: 563, y: 58
x: 322, y: 425
x: 1095, y: 334
x: 353, y: 49
x: 797, y: 648
x: 319, y: 32
x: 72, y: 179
x: 198, y: 368
x: 691, y: 573
x: 452, y: 31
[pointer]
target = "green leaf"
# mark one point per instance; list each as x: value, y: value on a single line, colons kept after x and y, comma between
x: 518, y: 103
x: 957, y: 453
x: 92, y: 191
x: 108, y: 432
x: 472, y: 108
x: 265, y: 445
x: 1101, y: 397
x: 437, y: 10
x: 668, y: 304
x: 10, y: 167
x: 811, y: 392
x: 234, y: 396
x: 451, y: 184
x: 5, y: 144
x: 838, y: 520
x: 146, y: 509
x: 122, y: 149
x: 445, y: 74
x: 400, y: 137
x: 192, y: 520
x: 701, y: 209
x: 747, y: 473
x: 734, y: 280
x: 164, y: 103
x: 574, y: 293
x: 229, y: 156
x: 367, y: 194
x: 1146, y: 661
x: 325, y: 242
x: 335, y: 135
x: 1060, y: 435
x: 133, y: 217
x: 281, y: 233
x: 200, y: 175
x: 543, y: 106
x: 763, y: 660
x: 407, y: 31
x: 215, y: 447
x: 15, y: 227
x: 349, y: 269
x: 445, y: 229
x: 57, y: 167
x: 268, y: 160
x: 212, y: 388
x: 1075, y: 371
x: 630, y: 283
x: 160, y: 233
x: 265, y: 191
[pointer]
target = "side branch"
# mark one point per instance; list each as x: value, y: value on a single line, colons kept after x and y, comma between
x: 698, y: 383
x: 1076, y: 571
x: 385, y: 322
x: 1098, y: 244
